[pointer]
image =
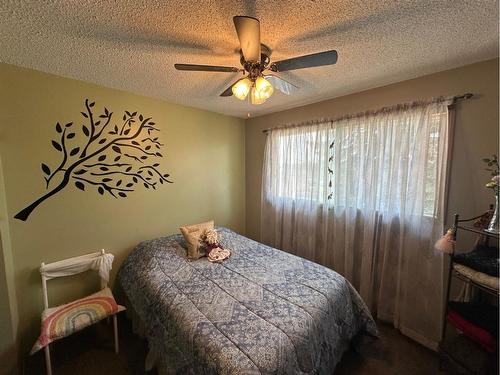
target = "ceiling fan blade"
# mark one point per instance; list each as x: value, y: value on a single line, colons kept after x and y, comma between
x: 279, y: 83
x: 206, y: 68
x: 307, y: 61
x: 248, y: 30
x: 229, y: 90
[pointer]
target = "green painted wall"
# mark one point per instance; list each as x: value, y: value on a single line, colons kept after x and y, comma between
x: 203, y: 153
x: 8, y: 303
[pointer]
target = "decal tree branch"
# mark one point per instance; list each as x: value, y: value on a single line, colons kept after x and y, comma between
x: 103, y: 162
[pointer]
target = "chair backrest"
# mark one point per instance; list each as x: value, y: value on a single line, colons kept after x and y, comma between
x: 99, y: 261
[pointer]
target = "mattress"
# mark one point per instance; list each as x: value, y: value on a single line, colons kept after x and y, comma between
x: 262, y: 311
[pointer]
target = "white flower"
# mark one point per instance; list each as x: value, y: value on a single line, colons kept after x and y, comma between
x: 496, y: 180
x: 210, y: 236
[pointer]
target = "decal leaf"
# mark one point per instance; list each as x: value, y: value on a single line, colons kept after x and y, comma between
x: 57, y: 146
x: 85, y: 130
x: 58, y: 128
x: 80, y: 185
x: 45, y: 169
x: 74, y: 151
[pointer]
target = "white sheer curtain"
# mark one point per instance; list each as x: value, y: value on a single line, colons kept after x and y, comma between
x: 365, y: 196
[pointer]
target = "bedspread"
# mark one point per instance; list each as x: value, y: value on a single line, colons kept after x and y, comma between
x: 262, y: 311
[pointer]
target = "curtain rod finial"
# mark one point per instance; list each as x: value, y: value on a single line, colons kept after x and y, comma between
x: 465, y: 96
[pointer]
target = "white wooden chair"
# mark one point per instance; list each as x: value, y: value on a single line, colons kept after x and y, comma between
x: 100, y: 261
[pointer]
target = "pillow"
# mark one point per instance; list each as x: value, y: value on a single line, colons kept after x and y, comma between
x: 192, y: 234
x: 64, y: 320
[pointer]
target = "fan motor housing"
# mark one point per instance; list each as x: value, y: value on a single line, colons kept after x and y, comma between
x: 255, y: 69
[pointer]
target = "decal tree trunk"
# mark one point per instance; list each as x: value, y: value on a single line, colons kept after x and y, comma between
x: 129, y: 146
x: 25, y: 212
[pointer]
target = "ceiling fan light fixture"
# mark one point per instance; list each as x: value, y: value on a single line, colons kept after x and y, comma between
x: 256, y: 97
x: 263, y: 87
x: 242, y: 88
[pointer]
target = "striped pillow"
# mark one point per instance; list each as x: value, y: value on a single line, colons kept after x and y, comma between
x: 64, y: 320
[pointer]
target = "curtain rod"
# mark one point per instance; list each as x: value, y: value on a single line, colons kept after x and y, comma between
x: 454, y: 100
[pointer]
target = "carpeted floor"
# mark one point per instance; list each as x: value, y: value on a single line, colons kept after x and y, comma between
x: 91, y: 352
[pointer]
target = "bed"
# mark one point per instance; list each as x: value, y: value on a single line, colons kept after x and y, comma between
x: 262, y: 311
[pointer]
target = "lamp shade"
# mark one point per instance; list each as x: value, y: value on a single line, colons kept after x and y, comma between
x: 255, y: 97
x: 241, y: 88
x: 446, y: 244
x: 263, y: 87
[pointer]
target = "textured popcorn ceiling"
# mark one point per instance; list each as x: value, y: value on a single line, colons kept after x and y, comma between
x: 133, y: 44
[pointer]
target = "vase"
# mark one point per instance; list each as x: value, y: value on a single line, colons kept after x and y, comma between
x: 493, y: 225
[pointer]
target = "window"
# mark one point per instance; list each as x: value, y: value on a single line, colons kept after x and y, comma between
x: 388, y: 162
x: 297, y: 180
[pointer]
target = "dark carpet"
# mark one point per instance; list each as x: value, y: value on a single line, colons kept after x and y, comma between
x: 91, y: 352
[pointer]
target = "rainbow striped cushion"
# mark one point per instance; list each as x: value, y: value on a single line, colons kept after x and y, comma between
x: 64, y: 320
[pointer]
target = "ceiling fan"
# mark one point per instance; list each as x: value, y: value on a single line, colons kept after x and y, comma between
x: 257, y: 66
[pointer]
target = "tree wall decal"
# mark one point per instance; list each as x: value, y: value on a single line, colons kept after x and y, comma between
x: 113, y: 158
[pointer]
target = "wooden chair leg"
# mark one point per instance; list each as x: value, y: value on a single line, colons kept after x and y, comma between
x: 115, y: 329
x: 48, y: 366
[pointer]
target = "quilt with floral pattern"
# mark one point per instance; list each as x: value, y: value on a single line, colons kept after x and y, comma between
x: 262, y: 311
